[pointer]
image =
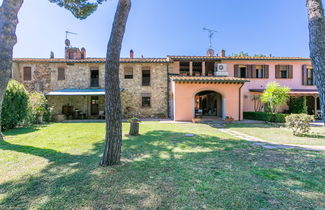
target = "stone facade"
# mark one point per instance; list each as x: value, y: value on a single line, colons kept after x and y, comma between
x: 77, y: 76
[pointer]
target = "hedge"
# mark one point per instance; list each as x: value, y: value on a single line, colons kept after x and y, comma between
x: 265, y: 116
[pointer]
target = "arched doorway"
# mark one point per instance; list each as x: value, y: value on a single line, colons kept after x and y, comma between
x: 208, y: 104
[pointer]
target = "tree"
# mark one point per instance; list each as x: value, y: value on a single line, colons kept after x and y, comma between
x: 14, y: 106
x: 275, y: 96
x: 316, y: 24
x: 8, y: 23
x: 112, y: 151
x: 81, y: 9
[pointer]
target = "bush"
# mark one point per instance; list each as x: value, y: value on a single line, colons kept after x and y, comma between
x: 264, y: 116
x: 299, y: 123
x: 39, y: 108
x: 15, y: 105
x: 298, y: 105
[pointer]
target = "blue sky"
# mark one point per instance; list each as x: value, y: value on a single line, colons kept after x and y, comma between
x: 157, y: 28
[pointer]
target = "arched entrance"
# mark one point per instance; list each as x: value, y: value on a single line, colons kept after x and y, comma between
x: 208, y: 104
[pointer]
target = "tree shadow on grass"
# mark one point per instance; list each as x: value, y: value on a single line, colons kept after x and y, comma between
x: 163, y: 169
x: 24, y: 130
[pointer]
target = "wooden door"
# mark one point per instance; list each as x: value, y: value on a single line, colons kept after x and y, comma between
x: 94, y: 108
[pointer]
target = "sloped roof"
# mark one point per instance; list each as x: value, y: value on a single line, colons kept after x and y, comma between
x: 92, y: 60
x: 214, y: 58
x: 208, y: 79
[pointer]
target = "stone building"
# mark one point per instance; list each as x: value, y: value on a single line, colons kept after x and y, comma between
x: 179, y: 87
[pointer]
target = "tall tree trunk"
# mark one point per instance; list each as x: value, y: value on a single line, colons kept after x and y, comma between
x: 112, y: 151
x: 316, y: 25
x: 8, y: 23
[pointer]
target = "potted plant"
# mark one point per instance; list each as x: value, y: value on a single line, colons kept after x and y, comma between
x: 196, y: 119
x: 229, y: 119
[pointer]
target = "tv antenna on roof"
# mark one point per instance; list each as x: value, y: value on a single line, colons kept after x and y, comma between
x: 211, y: 33
x: 67, y: 41
x: 69, y: 32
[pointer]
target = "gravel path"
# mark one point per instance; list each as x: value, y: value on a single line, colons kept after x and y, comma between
x: 263, y: 143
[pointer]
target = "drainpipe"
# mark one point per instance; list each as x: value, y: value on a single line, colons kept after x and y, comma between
x: 239, y: 108
x: 168, y: 108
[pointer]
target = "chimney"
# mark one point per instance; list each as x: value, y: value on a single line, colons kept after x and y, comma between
x: 223, y: 53
x: 131, y: 54
x: 271, y: 55
x: 52, y: 55
x: 83, y: 53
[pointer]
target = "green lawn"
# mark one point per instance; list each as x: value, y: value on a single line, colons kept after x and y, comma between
x: 56, y: 167
x: 281, y: 135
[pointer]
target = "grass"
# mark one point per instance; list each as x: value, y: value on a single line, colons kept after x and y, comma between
x: 281, y: 135
x: 56, y: 167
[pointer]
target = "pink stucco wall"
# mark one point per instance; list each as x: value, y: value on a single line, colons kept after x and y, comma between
x: 294, y: 83
x: 183, y: 96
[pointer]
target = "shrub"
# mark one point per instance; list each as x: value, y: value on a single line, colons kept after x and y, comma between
x: 15, y: 105
x: 39, y: 108
x: 264, y: 116
x: 299, y: 123
x: 298, y: 105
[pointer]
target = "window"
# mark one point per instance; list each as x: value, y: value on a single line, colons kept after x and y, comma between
x: 284, y: 71
x: 27, y: 73
x: 128, y: 73
x: 260, y: 71
x: 243, y: 71
x: 184, y: 68
x: 146, y: 100
x: 94, y: 78
x: 61, y: 74
x: 145, y: 77
x: 197, y: 68
x: 310, y: 76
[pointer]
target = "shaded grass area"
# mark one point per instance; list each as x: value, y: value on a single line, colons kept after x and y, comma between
x: 57, y: 167
x: 281, y: 135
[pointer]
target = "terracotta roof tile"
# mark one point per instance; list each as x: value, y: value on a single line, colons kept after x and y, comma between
x: 93, y: 60
x: 212, y: 58
x: 207, y: 79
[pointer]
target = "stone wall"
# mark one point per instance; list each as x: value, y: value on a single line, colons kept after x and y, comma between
x: 77, y: 76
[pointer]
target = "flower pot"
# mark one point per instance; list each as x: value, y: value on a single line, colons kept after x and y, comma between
x: 196, y: 120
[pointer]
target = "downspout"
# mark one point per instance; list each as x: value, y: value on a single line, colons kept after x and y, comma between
x: 239, y: 108
x: 168, y: 104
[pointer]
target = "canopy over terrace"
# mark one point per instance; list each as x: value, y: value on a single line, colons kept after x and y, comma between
x: 186, y: 88
x: 312, y: 95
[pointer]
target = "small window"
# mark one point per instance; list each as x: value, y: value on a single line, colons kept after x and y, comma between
x: 27, y: 73
x: 94, y: 78
x: 146, y: 101
x: 284, y: 71
x: 259, y: 71
x: 128, y: 73
x: 61, y: 74
x: 145, y: 77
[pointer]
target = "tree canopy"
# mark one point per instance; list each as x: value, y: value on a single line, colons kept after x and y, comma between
x: 81, y: 9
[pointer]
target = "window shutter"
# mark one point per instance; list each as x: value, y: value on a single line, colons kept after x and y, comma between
x: 304, y: 74
x: 61, y: 74
x: 254, y: 71
x: 266, y: 71
x: 236, y: 67
x: 290, y: 71
x: 314, y: 77
x: 249, y: 71
x: 27, y: 73
x: 277, y: 71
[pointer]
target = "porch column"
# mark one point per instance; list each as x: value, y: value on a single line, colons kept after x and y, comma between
x: 315, y: 104
x: 223, y: 108
x: 203, y: 69
x: 191, y: 68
